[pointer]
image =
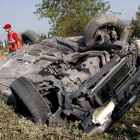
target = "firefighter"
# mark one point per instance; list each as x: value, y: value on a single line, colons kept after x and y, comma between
x: 13, y: 39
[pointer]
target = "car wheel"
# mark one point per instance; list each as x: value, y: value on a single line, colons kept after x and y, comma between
x: 24, y: 90
x: 108, y: 26
x: 30, y: 37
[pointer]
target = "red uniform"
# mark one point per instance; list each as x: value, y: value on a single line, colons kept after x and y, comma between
x: 13, y: 39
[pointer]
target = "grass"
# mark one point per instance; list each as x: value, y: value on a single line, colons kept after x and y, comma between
x: 14, y: 126
x: 3, y: 51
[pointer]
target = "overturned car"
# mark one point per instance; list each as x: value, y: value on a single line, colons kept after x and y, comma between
x: 93, y: 79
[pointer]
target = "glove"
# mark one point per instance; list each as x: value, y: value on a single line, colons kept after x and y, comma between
x: 13, y: 45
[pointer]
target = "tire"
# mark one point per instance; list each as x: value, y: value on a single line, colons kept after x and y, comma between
x: 30, y: 37
x: 98, y: 22
x: 23, y: 89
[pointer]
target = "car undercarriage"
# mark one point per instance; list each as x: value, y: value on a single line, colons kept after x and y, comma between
x: 93, y: 79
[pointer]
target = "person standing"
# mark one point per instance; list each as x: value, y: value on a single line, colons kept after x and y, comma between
x: 13, y: 39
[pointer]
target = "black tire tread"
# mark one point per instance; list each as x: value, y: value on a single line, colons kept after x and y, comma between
x: 98, y: 21
x: 32, y: 36
x: 32, y: 99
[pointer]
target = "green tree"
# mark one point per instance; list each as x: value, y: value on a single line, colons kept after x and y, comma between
x: 42, y: 36
x: 69, y: 17
x: 135, y: 25
x: 5, y: 42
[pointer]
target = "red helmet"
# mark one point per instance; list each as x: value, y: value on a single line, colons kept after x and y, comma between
x: 7, y: 26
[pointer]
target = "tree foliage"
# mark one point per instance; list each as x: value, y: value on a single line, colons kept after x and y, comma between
x: 136, y: 25
x: 69, y: 17
x: 42, y: 36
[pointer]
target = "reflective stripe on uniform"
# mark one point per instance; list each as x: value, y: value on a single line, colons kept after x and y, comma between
x: 12, y: 41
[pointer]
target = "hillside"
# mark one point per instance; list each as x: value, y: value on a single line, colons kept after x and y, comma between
x: 14, y: 126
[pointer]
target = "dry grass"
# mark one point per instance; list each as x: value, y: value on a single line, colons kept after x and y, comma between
x: 14, y: 126
x: 3, y: 52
